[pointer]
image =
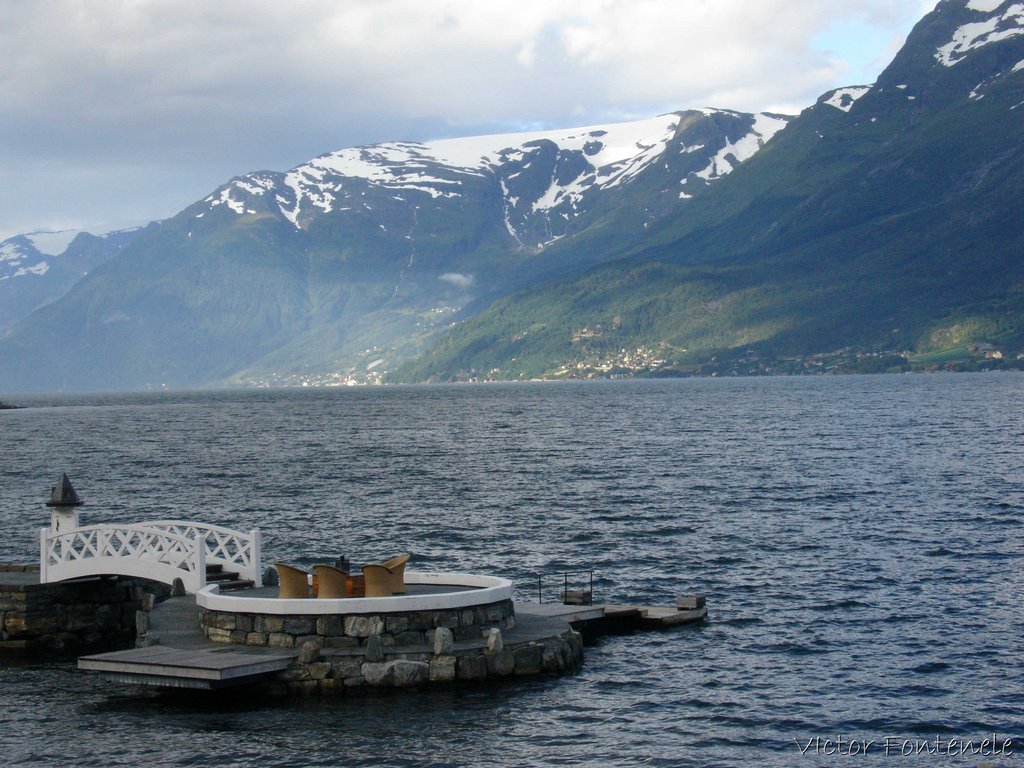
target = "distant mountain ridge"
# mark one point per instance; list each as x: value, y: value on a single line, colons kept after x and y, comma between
x: 546, y: 179
x: 39, y: 267
x: 345, y: 266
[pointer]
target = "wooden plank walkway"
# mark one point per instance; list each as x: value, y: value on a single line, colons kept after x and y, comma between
x: 659, y: 616
x: 184, y: 658
x: 595, y: 618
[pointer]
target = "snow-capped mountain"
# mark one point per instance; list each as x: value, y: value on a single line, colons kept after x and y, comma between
x: 342, y: 267
x: 875, y: 216
x: 885, y: 218
x: 30, y: 254
x: 541, y: 184
x: 39, y: 267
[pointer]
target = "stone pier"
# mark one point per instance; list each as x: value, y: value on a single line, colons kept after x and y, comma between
x: 97, y: 613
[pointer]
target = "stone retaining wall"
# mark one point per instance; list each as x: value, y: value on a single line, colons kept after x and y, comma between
x: 69, y: 617
x: 323, y: 671
x: 409, y: 628
x: 337, y: 653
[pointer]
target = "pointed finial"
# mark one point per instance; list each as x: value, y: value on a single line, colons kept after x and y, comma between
x: 63, y: 495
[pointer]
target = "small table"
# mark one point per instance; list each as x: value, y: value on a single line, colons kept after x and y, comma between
x: 355, y: 585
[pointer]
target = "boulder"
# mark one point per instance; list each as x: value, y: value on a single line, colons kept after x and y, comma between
x: 494, y: 640
x: 472, y: 667
x: 443, y: 642
x: 318, y: 670
x: 501, y: 663
x: 363, y: 626
x: 442, y: 669
x: 374, y: 648
x: 409, y: 673
x: 309, y: 652
x: 528, y: 659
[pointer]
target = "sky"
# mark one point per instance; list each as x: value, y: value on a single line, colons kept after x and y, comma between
x: 118, y: 112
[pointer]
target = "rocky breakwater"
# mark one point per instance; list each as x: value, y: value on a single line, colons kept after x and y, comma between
x: 68, y: 617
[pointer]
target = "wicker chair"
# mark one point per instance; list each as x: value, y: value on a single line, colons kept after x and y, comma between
x: 330, y: 581
x: 294, y: 581
x: 378, y: 580
x: 397, y: 567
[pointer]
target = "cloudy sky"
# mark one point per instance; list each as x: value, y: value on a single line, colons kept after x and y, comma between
x: 113, y: 113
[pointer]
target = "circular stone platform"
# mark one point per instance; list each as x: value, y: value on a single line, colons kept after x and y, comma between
x: 466, y: 604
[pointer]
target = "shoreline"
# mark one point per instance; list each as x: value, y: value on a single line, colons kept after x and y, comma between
x: 237, y: 389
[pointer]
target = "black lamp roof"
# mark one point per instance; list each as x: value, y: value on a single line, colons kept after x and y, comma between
x: 63, y: 495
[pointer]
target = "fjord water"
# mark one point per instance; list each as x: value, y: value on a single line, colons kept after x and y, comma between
x: 860, y: 541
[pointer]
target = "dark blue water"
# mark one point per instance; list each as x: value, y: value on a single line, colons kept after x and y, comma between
x: 860, y: 541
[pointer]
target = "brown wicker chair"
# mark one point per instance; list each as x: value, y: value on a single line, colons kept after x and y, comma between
x: 294, y: 581
x: 397, y: 567
x: 378, y: 580
x: 330, y: 581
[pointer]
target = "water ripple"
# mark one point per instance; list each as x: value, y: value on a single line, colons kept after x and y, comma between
x: 859, y: 540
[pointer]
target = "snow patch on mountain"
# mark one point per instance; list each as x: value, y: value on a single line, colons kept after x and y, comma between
x: 843, y: 98
x: 19, y: 256
x: 227, y: 198
x: 36, y: 269
x: 978, y: 34
x: 984, y: 6
x: 11, y: 252
x: 52, y: 243
x: 604, y: 145
x: 735, y: 152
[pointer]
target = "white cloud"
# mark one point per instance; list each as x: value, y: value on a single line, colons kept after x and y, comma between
x: 176, y: 96
x: 458, y: 279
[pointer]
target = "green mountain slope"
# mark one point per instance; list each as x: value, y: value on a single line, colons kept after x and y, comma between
x: 889, y: 222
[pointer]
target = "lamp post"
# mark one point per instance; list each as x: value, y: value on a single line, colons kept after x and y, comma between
x: 63, y: 504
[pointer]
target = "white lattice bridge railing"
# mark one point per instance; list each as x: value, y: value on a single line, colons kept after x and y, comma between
x: 161, y: 551
x: 234, y: 550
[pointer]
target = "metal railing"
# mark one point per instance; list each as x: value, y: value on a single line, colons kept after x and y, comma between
x: 578, y: 596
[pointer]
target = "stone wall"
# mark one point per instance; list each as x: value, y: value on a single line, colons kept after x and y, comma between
x: 399, y: 629
x: 326, y: 671
x: 89, y: 614
x: 337, y: 653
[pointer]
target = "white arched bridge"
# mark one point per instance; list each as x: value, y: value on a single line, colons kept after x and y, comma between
x: 160, y: 550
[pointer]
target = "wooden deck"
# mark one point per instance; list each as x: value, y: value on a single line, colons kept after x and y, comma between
x: 181, y: 668
x: 595, y: 620
x: 184, y: 658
